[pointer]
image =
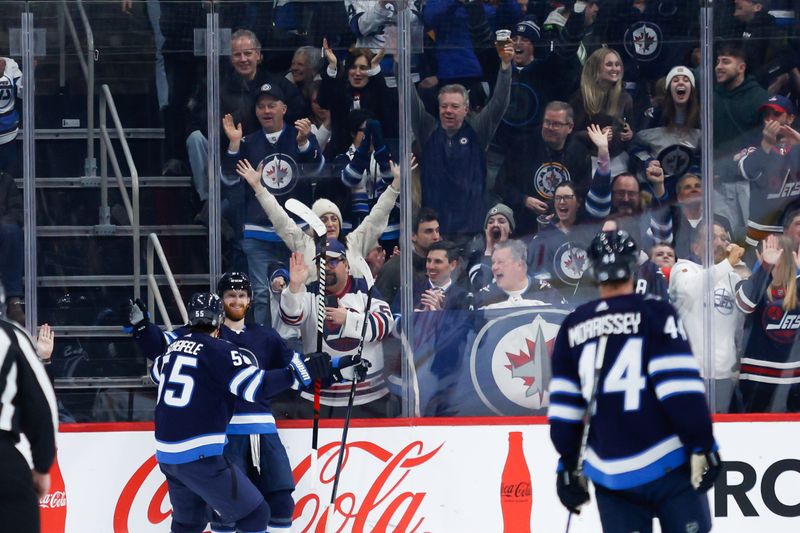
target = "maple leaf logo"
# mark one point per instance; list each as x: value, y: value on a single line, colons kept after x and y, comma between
x: 644, y: 39
x: 278, y: 172
x: 533, y: 366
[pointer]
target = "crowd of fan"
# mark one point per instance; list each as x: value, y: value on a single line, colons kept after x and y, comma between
x: 586, y: 117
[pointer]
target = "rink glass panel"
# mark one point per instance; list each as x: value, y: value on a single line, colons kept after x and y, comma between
x: 491, y: 362
x: 758, y: 202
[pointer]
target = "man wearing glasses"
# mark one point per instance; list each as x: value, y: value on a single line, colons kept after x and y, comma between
x: 626, y: 195
x: 345, y: 312
x: 537, y: 164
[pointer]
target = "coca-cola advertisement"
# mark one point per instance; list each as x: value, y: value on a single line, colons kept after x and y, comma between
x: 516, y: 495
x: 53, y: 505
x: 481, y: 475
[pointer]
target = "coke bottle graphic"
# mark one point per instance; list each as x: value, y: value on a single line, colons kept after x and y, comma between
x: 516, y: 496
x: 53, y: 506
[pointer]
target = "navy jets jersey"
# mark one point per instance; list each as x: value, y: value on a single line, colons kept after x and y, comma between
x: 770, y: 355
x: 265, y: 349
x: 651, y: 410
x: 199, y: 378
x: 774, y: 186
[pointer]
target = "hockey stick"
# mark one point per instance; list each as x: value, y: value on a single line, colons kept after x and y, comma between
x: 357, y: 264
x: 599, y: 356
x: 350, y: 399
x: 305, y: 213
x: 308, y: 216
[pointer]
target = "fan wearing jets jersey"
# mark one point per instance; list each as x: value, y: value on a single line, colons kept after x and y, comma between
x: 199, y: 380
x: 287, y: 157
x: 253, y: 441
x: 627, y: 405
x: 360, y: 241
x: 770, y: 363
x: 10, y: 90
x: 347, y: 306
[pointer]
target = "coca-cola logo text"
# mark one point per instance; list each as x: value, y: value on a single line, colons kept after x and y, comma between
x: 516, y: 490
x: 54, y: 500
x: 158, y: 509
x: 384, y: 507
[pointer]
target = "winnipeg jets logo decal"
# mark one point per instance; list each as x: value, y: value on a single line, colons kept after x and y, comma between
x: 6, y: 94
x: 570, y: 263
x: 675, y: 160
x: 643, y: 41
x: 335, y: 338
x: 531, y: 365
x: 778, y: 325
x: 548, y: 176
x: 510, y: 360
x: 279, y: 174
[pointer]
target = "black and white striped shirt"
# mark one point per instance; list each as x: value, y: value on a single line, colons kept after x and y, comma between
x: 27, y: 399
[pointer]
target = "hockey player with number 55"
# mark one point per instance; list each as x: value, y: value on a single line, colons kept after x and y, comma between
x: 253, y: 441
x: 199, y: 379
x: 627, y: 405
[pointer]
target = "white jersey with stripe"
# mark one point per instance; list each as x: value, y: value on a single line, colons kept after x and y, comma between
x: 300, y: 309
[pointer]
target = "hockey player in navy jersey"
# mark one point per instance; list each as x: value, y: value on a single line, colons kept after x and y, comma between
x: 199, y: 379
x: 625, y: 359
x: 253, y: 441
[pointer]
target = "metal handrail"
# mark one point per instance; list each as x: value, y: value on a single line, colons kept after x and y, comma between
x: 107, y: 150
x: 87, y: 66
x: 154, y: 245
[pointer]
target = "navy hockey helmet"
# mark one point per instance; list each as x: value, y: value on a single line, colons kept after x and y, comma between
x: 234, y: 281
x: 205, y: 309
x: 613, y: 256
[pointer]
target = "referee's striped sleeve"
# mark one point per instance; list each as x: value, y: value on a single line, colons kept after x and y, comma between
x: 25, y: 386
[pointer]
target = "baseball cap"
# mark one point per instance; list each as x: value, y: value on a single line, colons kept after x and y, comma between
x: 333, y: 248
x: 779, y: 103
x: 270, y: 90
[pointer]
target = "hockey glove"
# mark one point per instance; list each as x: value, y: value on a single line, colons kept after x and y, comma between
x: 138, y: 316
x: 572, y: 490
x: 311, y: 367
x: 706, y: 468
x: 347, y: 369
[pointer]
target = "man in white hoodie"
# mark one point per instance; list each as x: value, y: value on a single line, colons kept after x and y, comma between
x: 686, y: 286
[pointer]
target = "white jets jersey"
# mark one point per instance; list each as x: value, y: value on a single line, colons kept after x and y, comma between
x: 371, y: 21
x: 300, y: 309
x: 10, y: 90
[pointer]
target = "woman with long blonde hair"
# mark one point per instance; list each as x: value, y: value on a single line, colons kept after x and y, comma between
x: 602, y: 100
x: 770, y: 366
